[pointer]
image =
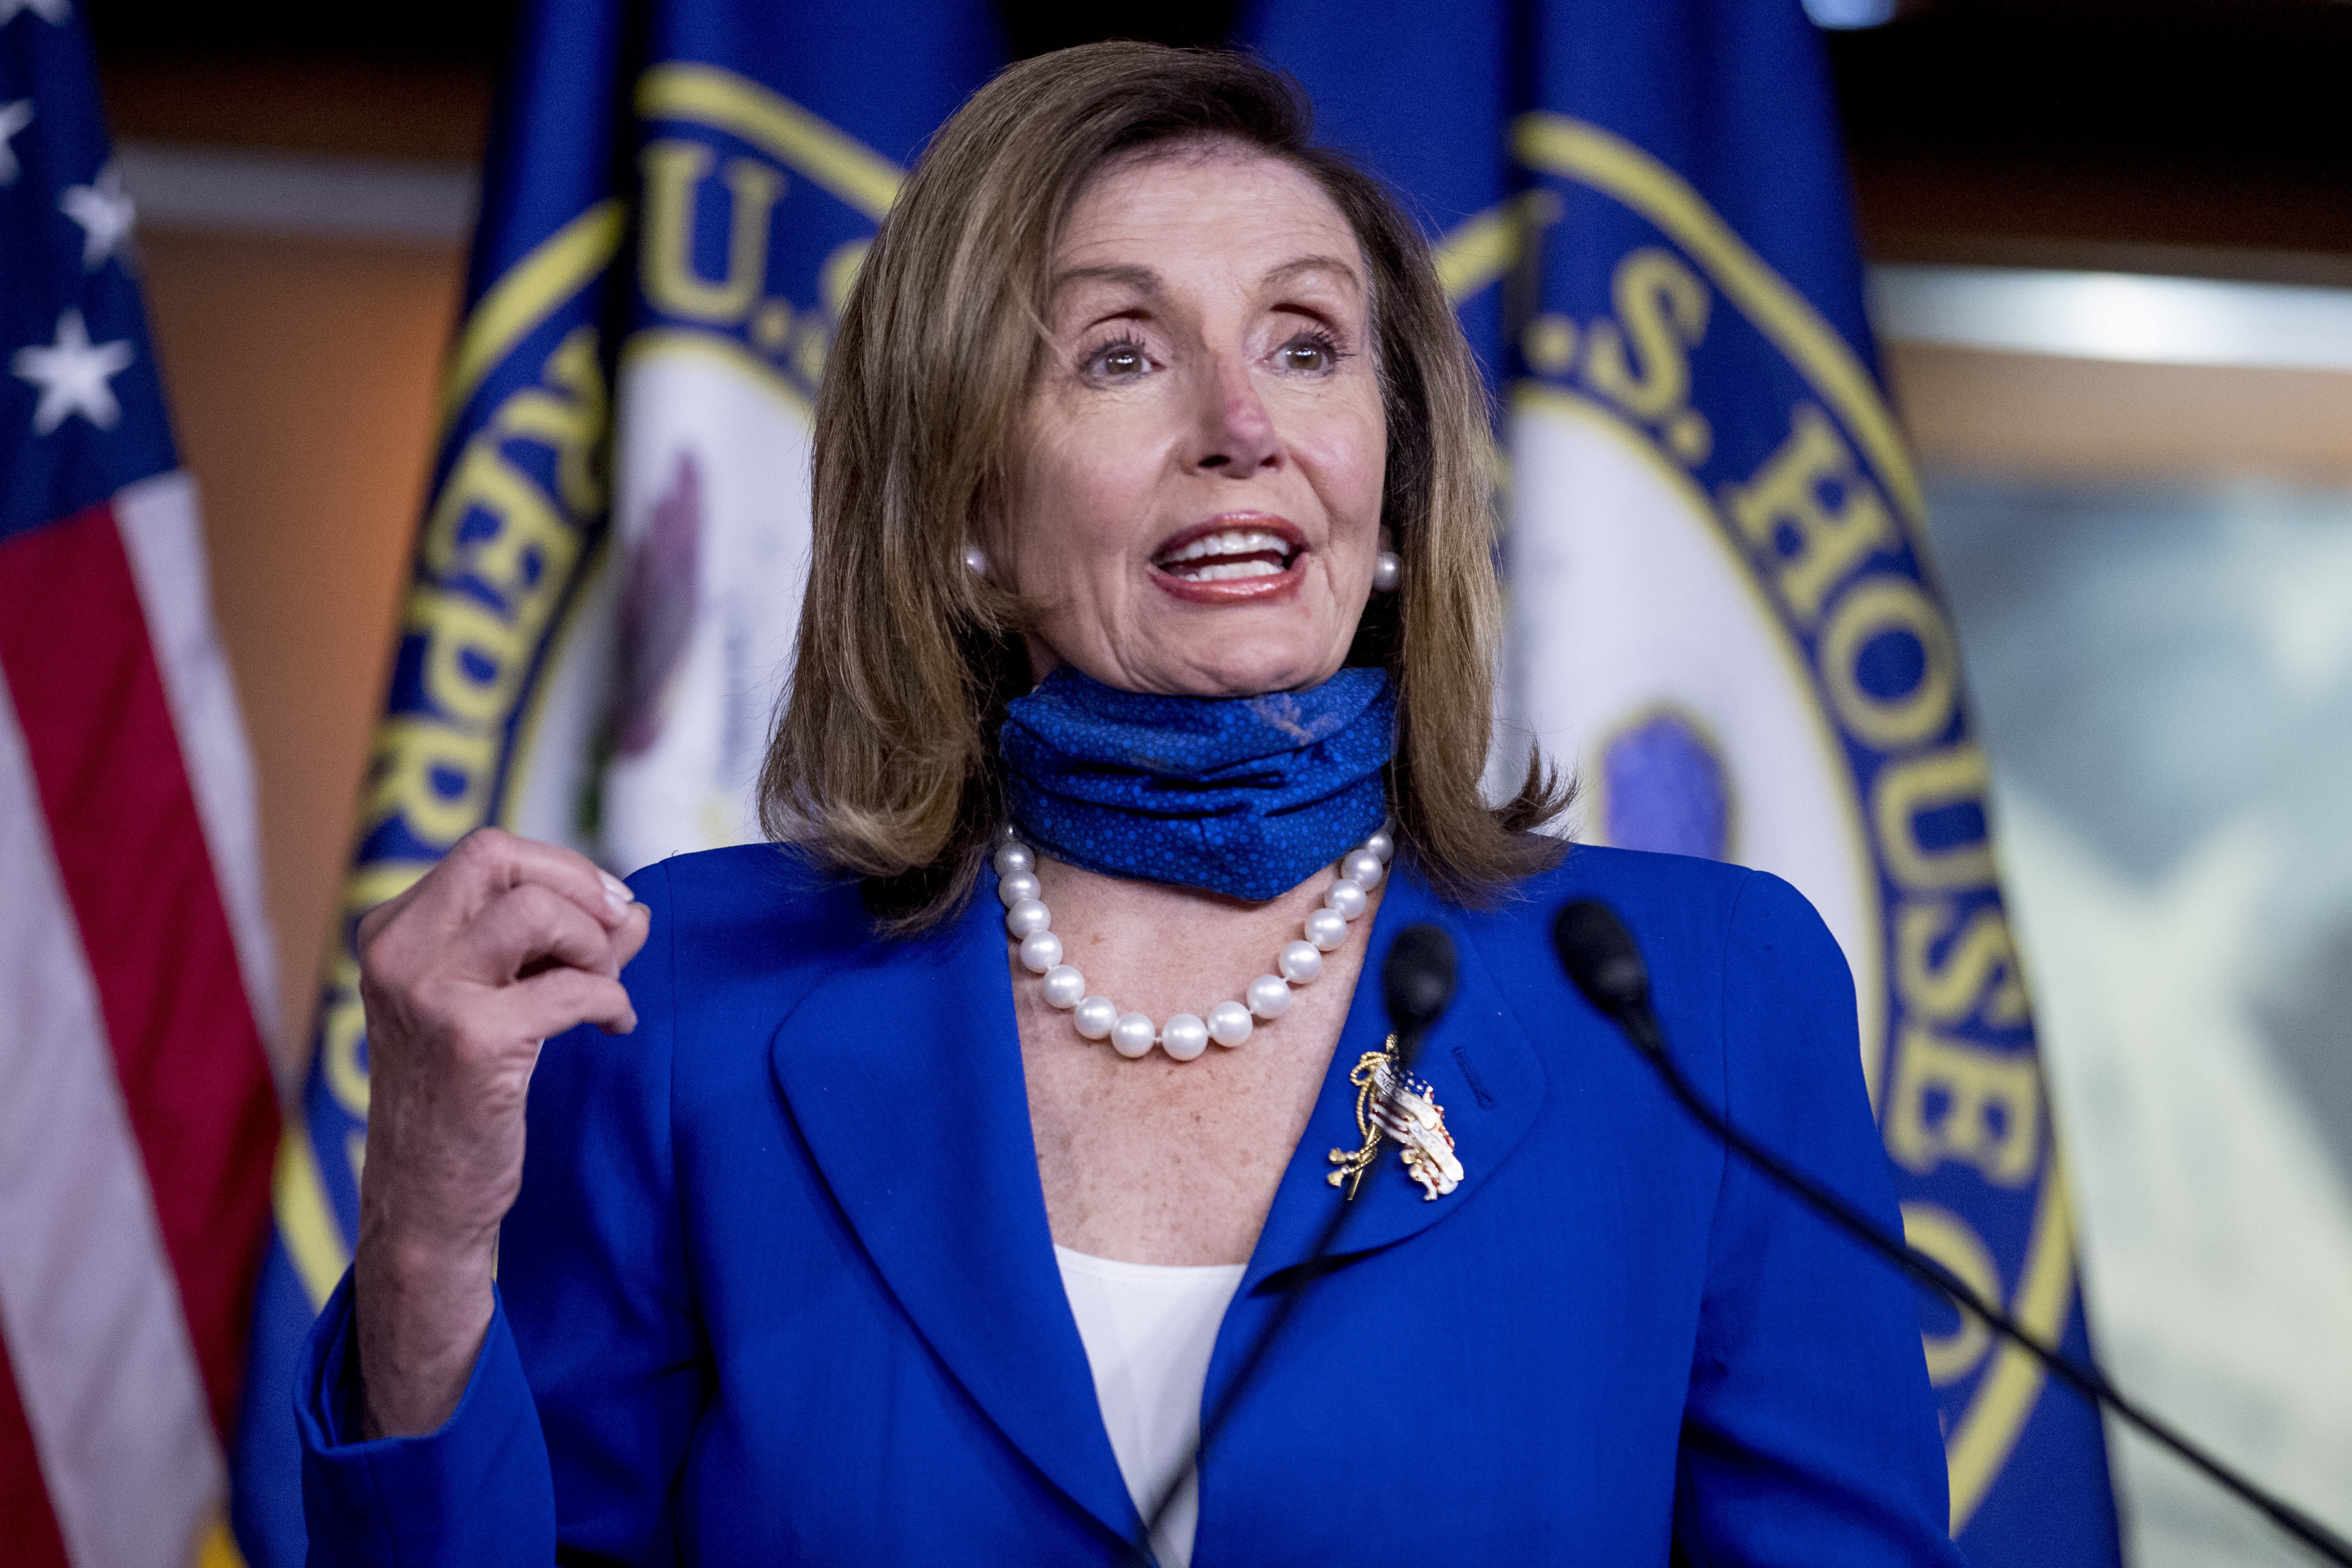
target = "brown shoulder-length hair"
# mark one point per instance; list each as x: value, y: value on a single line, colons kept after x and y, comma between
x: 884, y: 762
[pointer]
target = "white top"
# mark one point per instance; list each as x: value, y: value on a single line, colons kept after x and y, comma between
x: 1149, y: 1330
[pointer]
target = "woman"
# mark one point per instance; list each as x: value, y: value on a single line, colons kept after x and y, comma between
x: 905, y: 1210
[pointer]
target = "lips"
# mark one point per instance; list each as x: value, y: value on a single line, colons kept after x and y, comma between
x: 1231, y: 557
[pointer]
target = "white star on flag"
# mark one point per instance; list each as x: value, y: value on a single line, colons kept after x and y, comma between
x: 72, y: 374
x: 104, y: 211
x: 55, y: 12
x: 13, y: 116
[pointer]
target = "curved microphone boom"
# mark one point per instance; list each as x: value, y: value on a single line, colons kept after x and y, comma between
x: 1606, y: 966
x: 1417, y: 985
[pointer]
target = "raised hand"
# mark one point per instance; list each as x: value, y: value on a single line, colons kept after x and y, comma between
x: 503, y: 945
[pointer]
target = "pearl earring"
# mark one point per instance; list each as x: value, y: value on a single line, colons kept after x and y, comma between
x: 1386, y: 570
x: 974, y: 561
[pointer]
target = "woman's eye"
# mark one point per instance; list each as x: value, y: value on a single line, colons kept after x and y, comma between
x: 1117, y: 359
x: 1311, y: 355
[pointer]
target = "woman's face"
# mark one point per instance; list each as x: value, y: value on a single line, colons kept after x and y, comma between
x: 1196, y: 499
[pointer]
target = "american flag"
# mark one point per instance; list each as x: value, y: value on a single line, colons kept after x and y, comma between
x: 138, y: 1121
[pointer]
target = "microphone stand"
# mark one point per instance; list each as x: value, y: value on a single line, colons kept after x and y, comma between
x: 1418, y: 982
x: 1621, y: 996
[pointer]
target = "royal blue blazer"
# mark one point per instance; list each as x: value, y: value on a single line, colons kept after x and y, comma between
x: 779, y: 1286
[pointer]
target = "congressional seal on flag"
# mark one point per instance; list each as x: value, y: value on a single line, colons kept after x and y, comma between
x: 607, y: 581
x: 1751, y: 666
x: 1722, y: 604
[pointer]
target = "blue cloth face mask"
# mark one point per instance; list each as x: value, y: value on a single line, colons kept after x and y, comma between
x: 1243, y: 795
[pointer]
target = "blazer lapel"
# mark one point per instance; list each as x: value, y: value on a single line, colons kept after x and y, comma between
x: 902, y: 1069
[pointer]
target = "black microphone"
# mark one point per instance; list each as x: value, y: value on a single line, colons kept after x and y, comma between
x: 1417, y: 985
x: 1603, y: 961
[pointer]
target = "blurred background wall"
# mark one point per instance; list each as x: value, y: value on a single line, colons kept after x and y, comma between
x: 2112, y: 246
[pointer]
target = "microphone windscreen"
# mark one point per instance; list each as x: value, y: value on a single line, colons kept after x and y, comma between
x: 1418, y: 979
x: 1599, y: 956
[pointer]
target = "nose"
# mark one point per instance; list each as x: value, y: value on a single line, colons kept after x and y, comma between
x: 1236, y: 435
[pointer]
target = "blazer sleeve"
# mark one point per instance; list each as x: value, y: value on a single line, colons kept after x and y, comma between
x: 475, y: 1492
x: 572, y: 1431
x: 1810, y: 1431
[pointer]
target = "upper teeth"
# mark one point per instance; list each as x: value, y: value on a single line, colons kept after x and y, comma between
x: 1234, y: 541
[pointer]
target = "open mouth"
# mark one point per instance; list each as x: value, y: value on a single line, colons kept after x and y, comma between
x: 1229, y: 555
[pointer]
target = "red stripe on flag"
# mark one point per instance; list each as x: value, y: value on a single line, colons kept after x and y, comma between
x: 131, y: 849
x: 28, y: 1526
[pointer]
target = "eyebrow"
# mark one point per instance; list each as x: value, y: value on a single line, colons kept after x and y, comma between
x: 1143, y: 280
x: 1309, y: 264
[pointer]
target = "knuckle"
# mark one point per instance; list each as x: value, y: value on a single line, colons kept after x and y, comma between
x: 548, y: 919
x: 539, y: 896
x: 367, y: 944
x: 482, y: 851
x: 382, y: 962
x: 378, y: 920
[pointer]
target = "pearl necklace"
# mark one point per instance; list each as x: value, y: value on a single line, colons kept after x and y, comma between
x: 1184, y: 1036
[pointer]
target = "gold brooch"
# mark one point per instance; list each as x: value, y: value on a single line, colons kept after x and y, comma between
x: 1407, y: 1111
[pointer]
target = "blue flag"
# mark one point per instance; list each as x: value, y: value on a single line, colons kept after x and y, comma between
x: 607, y: 579
x: 1723, y: 614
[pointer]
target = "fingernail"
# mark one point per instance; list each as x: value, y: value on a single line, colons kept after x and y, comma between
x: 616, y: 892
